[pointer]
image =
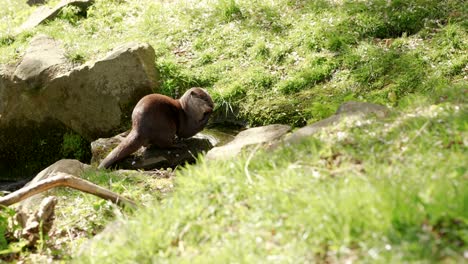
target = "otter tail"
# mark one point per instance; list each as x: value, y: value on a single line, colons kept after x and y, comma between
x: 129, y: 145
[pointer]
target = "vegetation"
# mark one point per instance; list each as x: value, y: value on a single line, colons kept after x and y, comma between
x: 75, y: 146
x: 378, y: 191
x: 368, y: 190
x: 277, y: 61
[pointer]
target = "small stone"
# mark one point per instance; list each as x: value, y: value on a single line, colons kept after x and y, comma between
x: 36, y: 2
x: 44, y: 13
x: 363, y: 108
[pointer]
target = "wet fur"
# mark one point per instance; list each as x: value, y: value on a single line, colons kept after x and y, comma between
x: 158, y: 119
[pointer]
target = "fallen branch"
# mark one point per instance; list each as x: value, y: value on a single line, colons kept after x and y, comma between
x: 65, y: 180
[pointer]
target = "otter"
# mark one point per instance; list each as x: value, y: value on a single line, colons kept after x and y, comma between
x: 157, y: 120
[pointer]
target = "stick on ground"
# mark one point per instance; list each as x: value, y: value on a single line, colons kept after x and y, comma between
x: 65, y: 180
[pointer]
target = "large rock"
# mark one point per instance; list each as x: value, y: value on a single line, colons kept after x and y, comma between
x: 91, y: 99
x: 186, y: 150
x: 42, y: 99
x: 361, y: 109
x: 253, y: 136
x: 94, y: 99
x: 45, y: 13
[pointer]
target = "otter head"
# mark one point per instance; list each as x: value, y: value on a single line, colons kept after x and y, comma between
x: 198, y: 107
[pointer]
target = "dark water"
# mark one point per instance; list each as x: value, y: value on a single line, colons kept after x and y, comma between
x: 220, y: 136
x: 10, y: 186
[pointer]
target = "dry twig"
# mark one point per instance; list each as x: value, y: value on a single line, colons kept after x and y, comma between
x: 65, y: 180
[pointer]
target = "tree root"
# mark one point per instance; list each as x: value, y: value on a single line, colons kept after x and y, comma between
x: 66, y: 180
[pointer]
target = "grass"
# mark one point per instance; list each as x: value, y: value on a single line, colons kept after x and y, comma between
x: 368, y: 190
x: 253, y: 54
x: 79, y: 216
x: 385, y: 191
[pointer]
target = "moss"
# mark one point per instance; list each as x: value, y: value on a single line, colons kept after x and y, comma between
x: 75, y: 146
x: 273, y: 108
x: 29, y: 148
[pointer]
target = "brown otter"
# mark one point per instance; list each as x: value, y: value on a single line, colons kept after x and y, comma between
x: 158, y: 119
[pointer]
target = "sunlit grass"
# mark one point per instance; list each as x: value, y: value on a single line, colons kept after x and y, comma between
x: 382, y: 191
x: 372, y: 190
x: 259, y: 54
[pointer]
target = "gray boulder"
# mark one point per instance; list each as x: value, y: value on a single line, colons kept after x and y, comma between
x: 96, y: 98
x: 253, y: 136
x: 185, y: 150
x: 91, y: 99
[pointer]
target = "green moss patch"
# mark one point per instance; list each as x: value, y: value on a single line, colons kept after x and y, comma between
x: 29, y: 148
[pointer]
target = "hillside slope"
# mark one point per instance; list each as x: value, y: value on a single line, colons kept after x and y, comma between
x: 369, y: 190
x: 278, y: 61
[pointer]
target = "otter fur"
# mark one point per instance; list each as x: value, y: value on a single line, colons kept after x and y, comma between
x: 158, y: 119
